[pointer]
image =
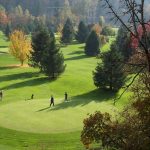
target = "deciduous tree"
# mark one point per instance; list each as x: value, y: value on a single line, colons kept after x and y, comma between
x: 128, y: 131
x: 108, y: 31
x: 97, y: 28
x: 137, y: 25
x: 20, y: 45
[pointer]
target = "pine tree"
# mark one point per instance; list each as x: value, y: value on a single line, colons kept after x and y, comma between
x: 46, y: 54
x: 92, y: 44
x: 110, y: 74
x: 82, y: 33
x: 67, y: 32
x: 123, y: 42
x: 8, y: 30
x: 52, y: 60
x: 40, y: 41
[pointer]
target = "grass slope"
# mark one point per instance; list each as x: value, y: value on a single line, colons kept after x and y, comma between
x: 25, y: 123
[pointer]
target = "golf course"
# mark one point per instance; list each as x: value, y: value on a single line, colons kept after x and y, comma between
x: 27, y: 124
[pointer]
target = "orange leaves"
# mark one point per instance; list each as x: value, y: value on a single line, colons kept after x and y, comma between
x: 3, y: 18
x: 97, y: 28
x: 20, y: 46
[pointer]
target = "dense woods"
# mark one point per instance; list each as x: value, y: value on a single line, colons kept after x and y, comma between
x: 54, y: 7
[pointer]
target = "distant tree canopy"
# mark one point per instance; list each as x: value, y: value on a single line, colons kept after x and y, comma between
x: 92, y: 47
x: 82, y: 32
x: 41, y: 7
x: 20, y: 45
x: 110, y: 74
x: 67, y: 32
x: 108, y: 31
x: 46, y: 54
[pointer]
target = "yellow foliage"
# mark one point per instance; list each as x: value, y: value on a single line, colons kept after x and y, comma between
x: 20, y: 45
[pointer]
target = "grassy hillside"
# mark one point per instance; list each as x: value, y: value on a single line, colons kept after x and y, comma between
x: 25, y: 123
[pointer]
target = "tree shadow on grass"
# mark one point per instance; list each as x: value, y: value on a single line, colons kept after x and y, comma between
x: 8, y: 67
x: 3, y: 46
x: 1, y: 52
x: 77, y: 57
x: 33, y: 82
x: 76, y: 53
x: 25, y: 75
x: 62, y: 45
x: 82, y: 47
x: 43, y: 109
x: 84, y: 99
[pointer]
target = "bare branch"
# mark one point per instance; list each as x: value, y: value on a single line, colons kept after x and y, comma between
x: 127, y: 87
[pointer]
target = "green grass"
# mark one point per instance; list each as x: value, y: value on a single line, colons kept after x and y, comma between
x: 26, y: 123
x: 106, y: 47
x: 3, y: 43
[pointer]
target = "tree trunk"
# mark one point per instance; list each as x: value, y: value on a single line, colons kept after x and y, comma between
x: 22, y: 62
x: 53, y: 75
x: 148, y: 61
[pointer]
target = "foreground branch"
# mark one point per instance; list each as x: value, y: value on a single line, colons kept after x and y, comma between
x: 127, y: 87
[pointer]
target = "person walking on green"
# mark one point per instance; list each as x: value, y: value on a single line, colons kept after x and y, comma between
x: 1, y: 94
x: 51, y: 101
x: 32, y: 96
x: 66, y: 96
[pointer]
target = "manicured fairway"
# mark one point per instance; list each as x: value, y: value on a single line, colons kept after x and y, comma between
x: 31, y: 124
x: 36, y: 116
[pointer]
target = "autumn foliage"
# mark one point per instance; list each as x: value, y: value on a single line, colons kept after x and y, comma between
x: 20, y: 46
x: 140, y: 31
x: 3, y: 18
x: 97, y: 28
x: 129, y: 130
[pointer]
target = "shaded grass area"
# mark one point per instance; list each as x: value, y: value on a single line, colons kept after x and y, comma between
x: 86, y: 98
x: 3, y: 40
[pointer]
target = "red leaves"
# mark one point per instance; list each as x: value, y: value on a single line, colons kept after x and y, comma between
x: 136, y: 38
x: 134, y: 42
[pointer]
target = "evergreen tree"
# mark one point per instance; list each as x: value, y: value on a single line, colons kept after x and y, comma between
x: 8, y: 30
x: 40, y: 41
x: 123, y: 43
x: 52, y: 60
x: 92, y: 44
x: 82, y: 33
x: 67, y: 32
x: 46, y: 54
x: 110, y: 74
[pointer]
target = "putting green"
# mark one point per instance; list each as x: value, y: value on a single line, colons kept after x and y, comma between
x: 35, y: 115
